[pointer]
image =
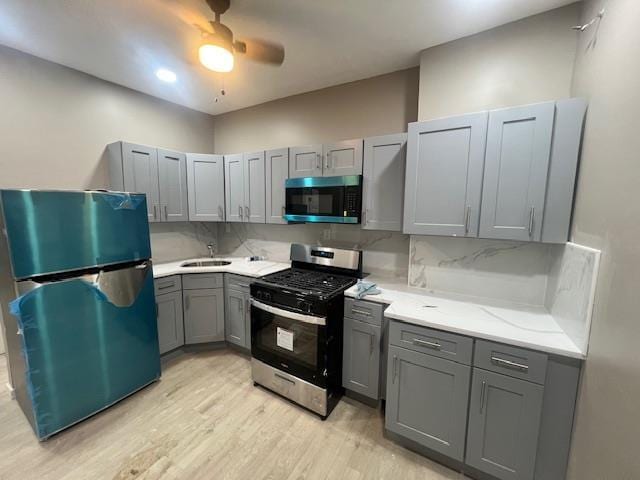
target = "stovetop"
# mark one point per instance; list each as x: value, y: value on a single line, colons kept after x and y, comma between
x: 310, y: 282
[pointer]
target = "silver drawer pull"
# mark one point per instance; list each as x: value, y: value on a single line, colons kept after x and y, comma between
x: 166, y: 285
x: 361, y: 312
x: 434, y: 345
x: 509, y: 364
x: 395, y: 368
x: 243, y: 285
x: 482, y: 395
x: 284, y: 378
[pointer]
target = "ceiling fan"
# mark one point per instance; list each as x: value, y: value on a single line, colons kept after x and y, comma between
x: 219, y: 48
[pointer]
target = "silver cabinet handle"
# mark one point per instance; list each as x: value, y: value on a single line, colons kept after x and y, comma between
x: 282, y: 377
x: 166, y: 285
x: 467, y: 219
x: 371, y: 345
x: 364, y: 216
x: 434, y: 345
x: 155, y: 214
x: 531, y: 215
x: 284, y: 211
x: 328, y: 164
x: 509, y: 364
x: 482, y: 395
x: 361, y: 312
x: 239, y: 211
x: 220, y: 212
x: 240, y: 307
x: 244, y: 285
x: 318, y: 165
x: 395, y: 368
x: 246, y: 305
x: 166, y: 213
x: 247, y: 212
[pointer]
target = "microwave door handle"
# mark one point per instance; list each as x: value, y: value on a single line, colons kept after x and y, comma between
x: 301, y: 317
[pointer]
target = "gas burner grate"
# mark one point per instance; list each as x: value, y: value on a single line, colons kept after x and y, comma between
x: 310, y: 281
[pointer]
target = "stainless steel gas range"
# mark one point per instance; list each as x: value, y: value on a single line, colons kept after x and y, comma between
x: 296, y: 326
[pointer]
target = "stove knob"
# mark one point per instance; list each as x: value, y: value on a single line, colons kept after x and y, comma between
x: 304, y: 306
x: 267, y: 296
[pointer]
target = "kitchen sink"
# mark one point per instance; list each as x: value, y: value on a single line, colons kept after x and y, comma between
x: 207, y: 263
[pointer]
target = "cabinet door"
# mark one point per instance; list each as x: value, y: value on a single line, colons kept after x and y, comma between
x: 515, y: 176
x: 305, y: 161
x: 234, y: 187
x: 277, y: 171
x: 203, y: 315
x: 205, y: 187
x: 172, y: 180
x: 383, y: 182
x: 170, y: 321
x: 234, y: 328
x: 343, y: 158
x: 444, y: 175
x: 427, y: 400
x: 254, y: 186
x: 140, y: 171
x: 504, y: 422
x: 361, y: 358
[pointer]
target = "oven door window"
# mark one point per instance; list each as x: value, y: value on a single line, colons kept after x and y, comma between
x: 282, y: 342
x: 323, y: 201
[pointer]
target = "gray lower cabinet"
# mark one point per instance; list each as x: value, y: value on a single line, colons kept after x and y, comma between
x: 203, y: 315
x: 361, y: 358
x: 237, y: 310
x: 235, y: 329
x: 170, y: 321
x: 427, y: 400
x: 504, y: 425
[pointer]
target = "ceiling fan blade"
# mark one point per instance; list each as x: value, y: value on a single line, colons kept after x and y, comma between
x: 260, y: 50
x: 189, y: 14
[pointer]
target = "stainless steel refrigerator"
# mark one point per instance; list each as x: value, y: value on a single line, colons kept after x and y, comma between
x: 78, y: 306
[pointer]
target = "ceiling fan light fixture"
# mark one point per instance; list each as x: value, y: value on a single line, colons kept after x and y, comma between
x: 216, y: 57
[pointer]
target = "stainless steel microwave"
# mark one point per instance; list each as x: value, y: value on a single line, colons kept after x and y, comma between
x: 324, y: 199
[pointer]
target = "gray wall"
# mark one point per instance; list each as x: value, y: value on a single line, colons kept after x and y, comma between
x: 56, y: 122
x: 527, y: 61
x: 605, y: 443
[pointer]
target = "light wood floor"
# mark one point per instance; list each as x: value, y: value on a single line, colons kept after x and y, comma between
x: 206, y: 420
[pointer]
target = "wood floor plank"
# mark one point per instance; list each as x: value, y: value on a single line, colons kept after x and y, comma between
x: 204, y: 419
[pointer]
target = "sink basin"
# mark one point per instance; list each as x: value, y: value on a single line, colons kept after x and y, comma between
x: 207, y: 263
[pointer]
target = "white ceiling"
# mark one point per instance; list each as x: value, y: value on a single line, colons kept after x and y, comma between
x: 327, y: 42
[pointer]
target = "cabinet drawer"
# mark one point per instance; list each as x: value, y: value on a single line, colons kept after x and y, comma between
x: 167, y: 284
x: 433, y: 342
x: 202, y: 280
x: 512, y: 361
x: 237, y: 282
x: 367, y: 312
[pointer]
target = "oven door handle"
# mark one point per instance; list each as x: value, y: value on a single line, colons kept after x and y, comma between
x: 288, y: 314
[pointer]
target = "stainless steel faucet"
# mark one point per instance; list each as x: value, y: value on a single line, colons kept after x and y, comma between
x: 211, y: 248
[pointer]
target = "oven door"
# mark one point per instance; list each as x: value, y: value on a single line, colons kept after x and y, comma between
x: 323, y: 199
x: 290, y: 341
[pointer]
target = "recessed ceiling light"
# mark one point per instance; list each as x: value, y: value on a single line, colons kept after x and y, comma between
x: 166, y: 75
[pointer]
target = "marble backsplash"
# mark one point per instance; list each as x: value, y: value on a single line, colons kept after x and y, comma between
x: 176, y: 241
x: 571, y: 290
x: 384, y: 253
x: 499, y: 269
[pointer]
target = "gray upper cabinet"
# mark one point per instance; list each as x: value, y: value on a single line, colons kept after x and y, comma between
x: 305, y: 161
x: 203, y: 315
x: 342, y: 158
x: 234, y: 187
x: 205, y: 182
x: 160, y: 174
x: 170, y: 321
x: 361, y: 358
x: 516, y: 167
x: 383, y: 182
x: 254, y: 187
x: 277, y: 171
x: 427, y: 399
x: 504, y: 425
x: 172, y: 181
x: 443, y: 184
x: 134, y: 168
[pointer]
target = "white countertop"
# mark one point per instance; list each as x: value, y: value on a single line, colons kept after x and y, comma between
x: 525, y: 326
x: 239, y: 265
